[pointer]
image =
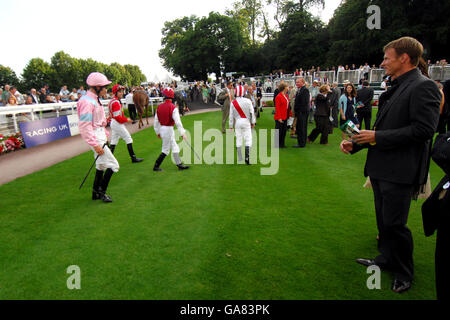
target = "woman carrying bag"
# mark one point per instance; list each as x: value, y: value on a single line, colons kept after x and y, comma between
x: 347, y: 105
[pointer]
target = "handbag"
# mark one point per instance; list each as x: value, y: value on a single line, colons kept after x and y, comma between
x: 435, y: 206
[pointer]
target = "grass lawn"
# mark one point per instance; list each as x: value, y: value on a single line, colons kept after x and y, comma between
x: 211, y: 232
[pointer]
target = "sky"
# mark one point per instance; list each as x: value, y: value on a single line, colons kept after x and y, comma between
x: 127, y: 32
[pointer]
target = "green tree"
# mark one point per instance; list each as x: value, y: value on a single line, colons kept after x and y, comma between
x: 250, y: 15
x: 302, y: 41
x: 66, y: 71
x: 8, y: 76
x: 36, y: 74
x: 136, y: 77
x: 192, y: 48
x: 286, y: 7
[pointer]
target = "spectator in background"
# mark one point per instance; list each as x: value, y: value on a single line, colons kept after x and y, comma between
x: 314, y: 91
x: 205, y: 94
x: 282, y: 114
x: 301, y: 109
x: 29, y: 100
x: 43, y: 96
x: 64, y: 93
x: 11, y: 101
x: 81, y: 91
x: 19, y: 98
x: 47, y: 89
x: 34, y: 97
x: 292, y: 94
x: 73, y: 96
x: 131, y: 107
x: 213, y: 93
x: 364, y: 109
x: 322, y: 116
x: 346, y: 106
x: 277, y: 91
x: 334, y: 103
x: 6, y: 93
x: 1, y: 98
x: 366, y: 71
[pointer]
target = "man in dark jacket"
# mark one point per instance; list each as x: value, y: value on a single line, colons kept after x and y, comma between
x: 364, y: 110
x: 398, y: 154
x: 301, y: 109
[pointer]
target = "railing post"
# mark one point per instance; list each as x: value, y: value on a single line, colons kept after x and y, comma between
x: 16, y: 127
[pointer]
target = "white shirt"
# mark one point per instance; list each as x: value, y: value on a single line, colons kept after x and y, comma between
x: 129, y: 98
x: 246, y: 106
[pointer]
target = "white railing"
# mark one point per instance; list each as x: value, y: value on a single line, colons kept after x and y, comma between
x: 376, y: 75
x: 439, y: 73
x: 11, y: 116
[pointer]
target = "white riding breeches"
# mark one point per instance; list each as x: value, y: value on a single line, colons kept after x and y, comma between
x: 107, y: 159
x: 243, y: 131
x: 118, y: 130
x: 168, y: 140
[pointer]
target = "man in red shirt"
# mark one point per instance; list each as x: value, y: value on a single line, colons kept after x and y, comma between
x: 166, y: 117
x: 118, y: 121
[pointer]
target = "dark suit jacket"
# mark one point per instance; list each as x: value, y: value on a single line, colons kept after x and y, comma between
x: 404, y: 126
x: 322, y: 105
x: 301, y: 104
x: 365, y: 95
x: 35, y: 100
x: 334, y: 97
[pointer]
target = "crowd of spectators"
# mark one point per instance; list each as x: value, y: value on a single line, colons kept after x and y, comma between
x: 10, y: 96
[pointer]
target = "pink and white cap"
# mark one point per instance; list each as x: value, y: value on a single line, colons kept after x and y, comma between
x: 97, y: 79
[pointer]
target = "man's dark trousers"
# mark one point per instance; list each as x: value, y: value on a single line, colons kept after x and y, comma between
x: 302, y: 128
x: 132, y: 111
x: 365, y: 116
x: 392, y: 203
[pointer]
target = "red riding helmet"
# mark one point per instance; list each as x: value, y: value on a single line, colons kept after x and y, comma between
x: 168, y: 93
x: 117, y: 88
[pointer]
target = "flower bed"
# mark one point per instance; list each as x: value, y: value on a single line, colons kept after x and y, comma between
x: 11, y: 143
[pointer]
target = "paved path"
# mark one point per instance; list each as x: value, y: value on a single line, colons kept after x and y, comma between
x: 24, y: 162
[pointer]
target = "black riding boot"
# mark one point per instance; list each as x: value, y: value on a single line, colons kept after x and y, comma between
x: 97, y: 182
x: 179, y: 163
x: 112, y: 147
x: 158, y: 162
x: 247, y: 155
x: 132, y: 155
x: 104, y: 186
